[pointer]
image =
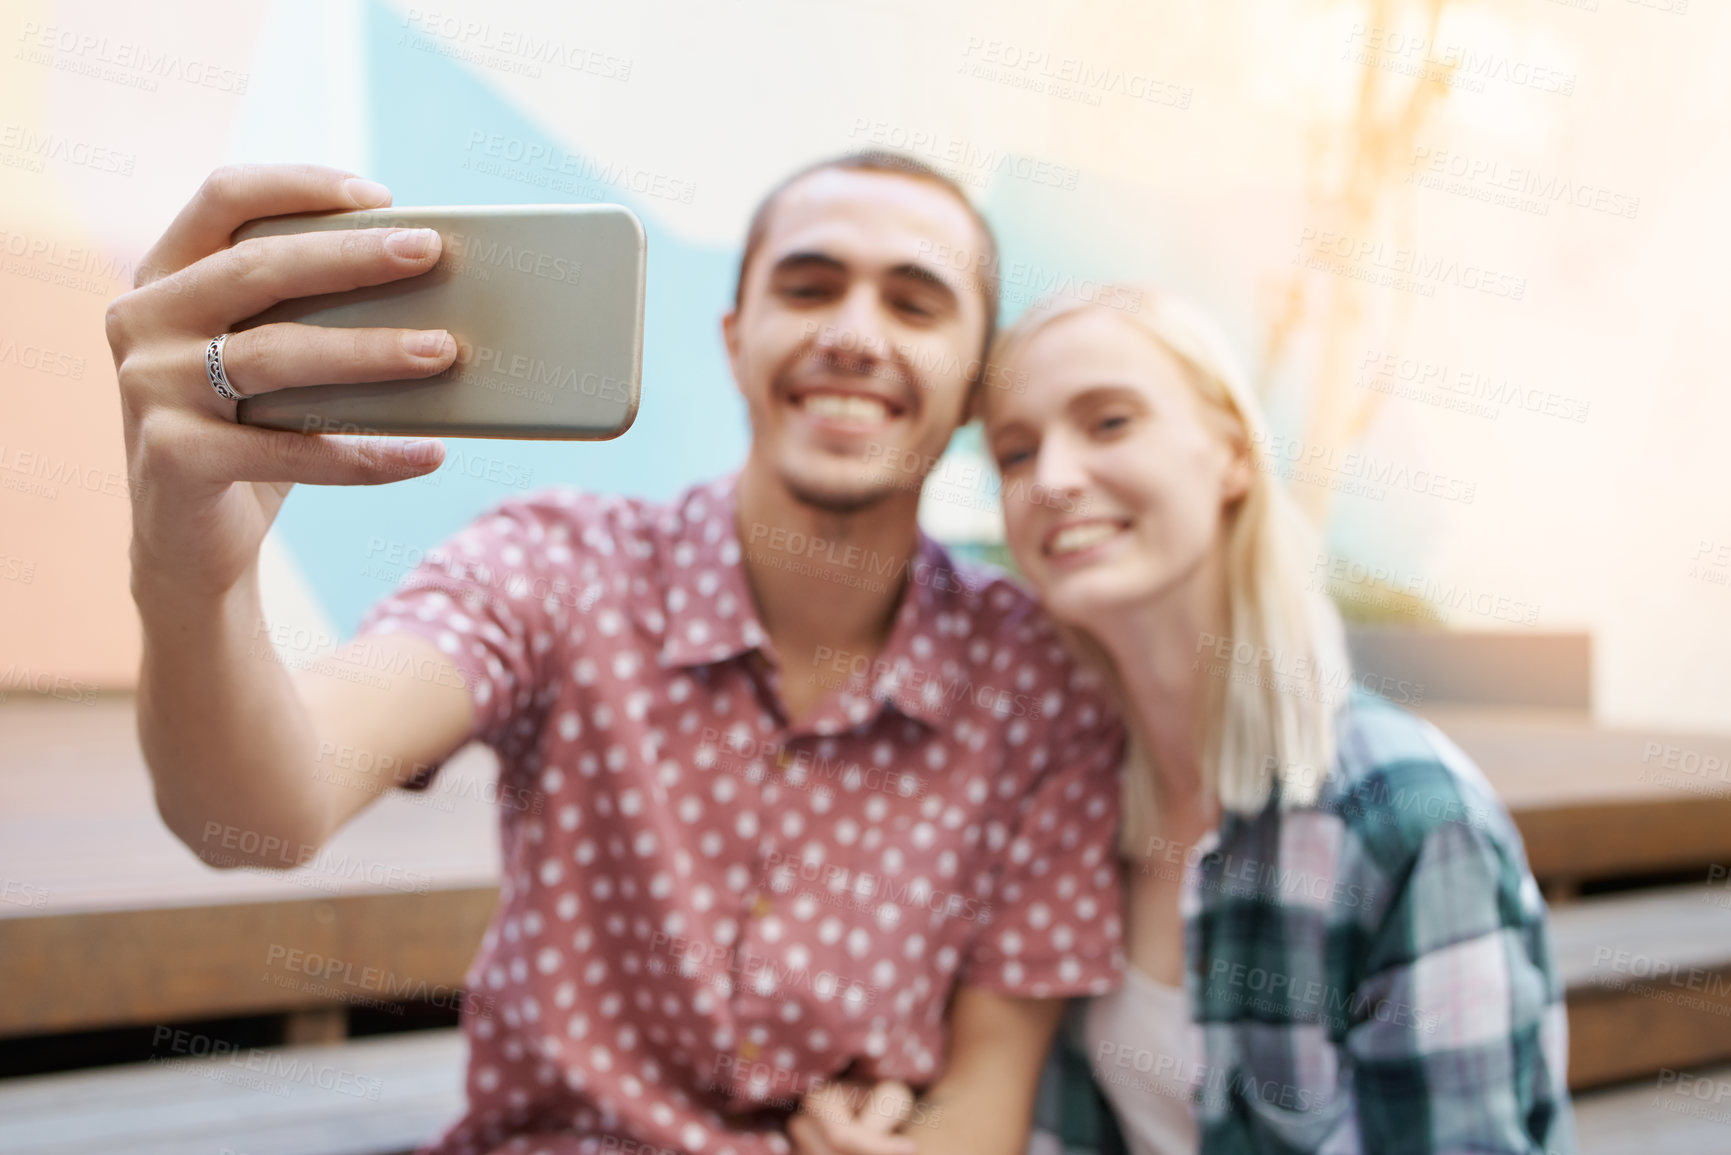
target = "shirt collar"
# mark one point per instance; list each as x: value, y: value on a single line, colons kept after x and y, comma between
x: 712, y: 617
x: 921, y: 670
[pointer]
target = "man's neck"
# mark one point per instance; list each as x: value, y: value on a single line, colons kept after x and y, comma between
x: 823, y: 582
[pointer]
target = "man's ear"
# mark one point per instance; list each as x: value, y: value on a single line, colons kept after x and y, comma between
x: 975, y: 407
x: 975, y: 402
x: 730, y: 339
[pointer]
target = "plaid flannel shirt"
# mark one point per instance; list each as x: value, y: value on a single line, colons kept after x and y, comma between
x: 1373, y: 973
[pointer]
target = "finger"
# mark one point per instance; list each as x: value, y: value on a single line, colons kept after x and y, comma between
x: 808, y: 1136
x: 255, y: 274
x: 332, y: 459
x: 888, y: 1108
x: 285, y: 355
x: 856, y: 1139
x: 235, y: 194
x: 200, y: 449
x: 832, y: 1102
x: 839, y: 1112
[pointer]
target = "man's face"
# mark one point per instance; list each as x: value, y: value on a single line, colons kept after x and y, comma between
x: 853, y: 345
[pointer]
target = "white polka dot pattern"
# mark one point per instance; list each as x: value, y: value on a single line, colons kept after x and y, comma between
x: 707, y: 909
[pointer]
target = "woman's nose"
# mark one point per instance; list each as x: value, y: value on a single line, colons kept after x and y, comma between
x: 1060, y: 467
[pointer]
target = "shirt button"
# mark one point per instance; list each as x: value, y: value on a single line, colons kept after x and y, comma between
x: 761, y: 906
x: 748, y: 1050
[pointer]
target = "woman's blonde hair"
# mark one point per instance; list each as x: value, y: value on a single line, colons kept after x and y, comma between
x: 1270, y: 708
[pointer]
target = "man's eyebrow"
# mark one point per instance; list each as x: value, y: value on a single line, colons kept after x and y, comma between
x: 926, y: 277
x: 808, y: 259
x: 908, y: 270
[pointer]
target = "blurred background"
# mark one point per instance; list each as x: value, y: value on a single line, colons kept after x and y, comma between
x: 1470, y: 250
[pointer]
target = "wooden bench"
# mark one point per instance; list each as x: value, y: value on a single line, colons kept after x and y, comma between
x: 1664, y: 1114
x: 80, y: 840
x: 1596, y: 802
x: 106, y: 919
x: 1648, y: 976
x: 272, y: 1103
x: 1550, y: 671
x: 1591, y: 801
x: 375, y: 1096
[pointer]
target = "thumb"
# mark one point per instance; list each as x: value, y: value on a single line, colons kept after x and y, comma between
x: 889, y: 1106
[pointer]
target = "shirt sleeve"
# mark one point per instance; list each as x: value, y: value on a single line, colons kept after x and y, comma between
x: 1467, y: 1046
x: 1057, y: 928
x: 492, y: 597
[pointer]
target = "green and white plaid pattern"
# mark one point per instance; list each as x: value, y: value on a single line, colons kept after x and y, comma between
x: 1373, y: 973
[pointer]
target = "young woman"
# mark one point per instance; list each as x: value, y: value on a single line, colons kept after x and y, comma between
x: 1334, y: 942
x: 1346, y: 901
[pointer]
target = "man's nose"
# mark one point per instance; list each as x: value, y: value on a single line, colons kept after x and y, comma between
x: 857, y: 336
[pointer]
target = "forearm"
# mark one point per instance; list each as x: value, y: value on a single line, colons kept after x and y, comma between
x: 970, y: 1119
x: 983, y: 1104
x: 226, y: 736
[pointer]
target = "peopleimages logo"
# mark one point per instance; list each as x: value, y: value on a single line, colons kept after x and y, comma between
x: 534, y: 371
x: 1066, y: 77
x: 1531, y: 188
x: 1254, y: 663
x: 261, y: 1069
x: 472, y: 250
x: 974, y: 160
x: 57, y: 685
x: 391, y: 987
x: 864, y: 890
x: 1462, y: 389
x: 46, y: 146
x: 492, y: 152
x: 800, y: 767
x: 121, y: 61
x: 1334, y: 573
x: 1295, y: 459
x: 903, y: 681
x: 1416, y: 53
x: 727, y: 966
x: 55, y: 472
x: 516, y: 44
x: 1392, y: 266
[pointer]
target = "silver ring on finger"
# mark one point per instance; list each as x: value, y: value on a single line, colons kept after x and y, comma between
x: 214, y: 370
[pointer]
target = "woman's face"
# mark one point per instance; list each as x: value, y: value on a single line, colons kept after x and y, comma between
x: 1115, y: 470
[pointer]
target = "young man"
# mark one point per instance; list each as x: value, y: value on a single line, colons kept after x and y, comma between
x: 816, y: 803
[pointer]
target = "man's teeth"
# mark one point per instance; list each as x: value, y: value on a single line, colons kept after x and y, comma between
x: 852, y: 409
x: 1082, y: 536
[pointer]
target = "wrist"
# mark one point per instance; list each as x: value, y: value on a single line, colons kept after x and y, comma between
x: 172, y: 605
x: 157, y: 588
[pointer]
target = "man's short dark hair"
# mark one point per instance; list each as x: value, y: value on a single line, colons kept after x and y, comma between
x: 984, y: 272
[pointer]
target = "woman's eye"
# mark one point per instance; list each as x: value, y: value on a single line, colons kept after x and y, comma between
x: 1011, y: 459
x: 1112, y: 424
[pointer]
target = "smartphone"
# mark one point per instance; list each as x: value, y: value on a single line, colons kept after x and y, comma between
x: 545, y: 303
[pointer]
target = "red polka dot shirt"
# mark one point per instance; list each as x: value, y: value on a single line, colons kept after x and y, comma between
x: 709, y: 908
